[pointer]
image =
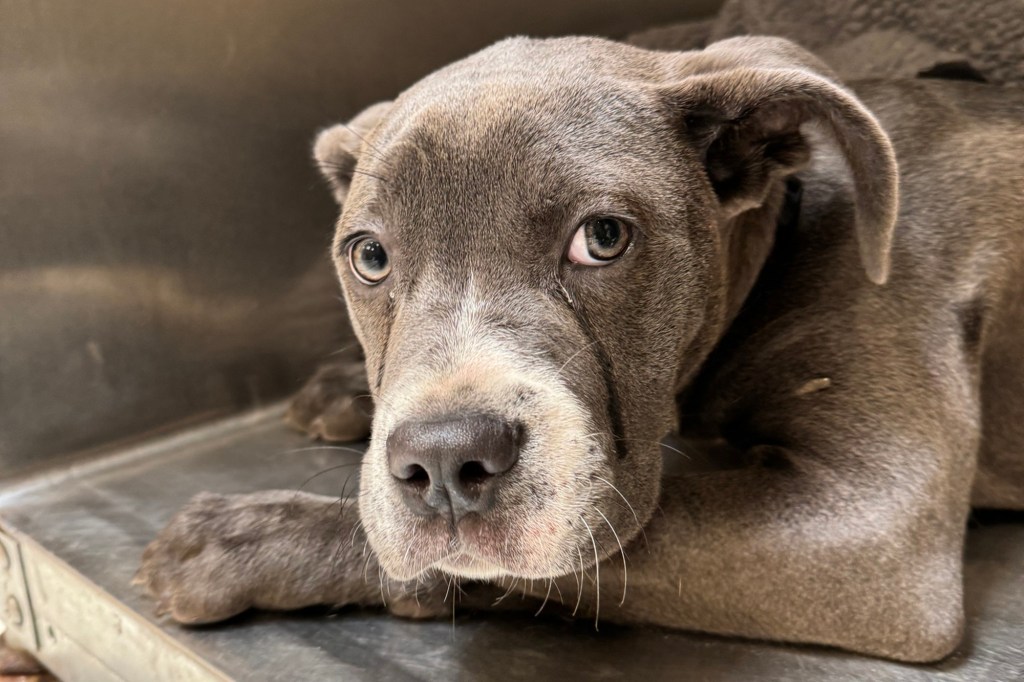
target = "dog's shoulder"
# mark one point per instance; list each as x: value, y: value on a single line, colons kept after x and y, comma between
x: 934, y: 116
x: 960, y: 149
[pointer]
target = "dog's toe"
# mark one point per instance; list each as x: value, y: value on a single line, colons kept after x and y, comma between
x: 335, y: 404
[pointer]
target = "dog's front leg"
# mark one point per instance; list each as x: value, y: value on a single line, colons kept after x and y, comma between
x: 798, y: 554
x: 278, y: 549
x: 796, y: 548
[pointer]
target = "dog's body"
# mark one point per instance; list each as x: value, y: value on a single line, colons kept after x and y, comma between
x: 846, y: 379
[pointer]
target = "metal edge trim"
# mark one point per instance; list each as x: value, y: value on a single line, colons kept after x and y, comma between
x: 95, y: 591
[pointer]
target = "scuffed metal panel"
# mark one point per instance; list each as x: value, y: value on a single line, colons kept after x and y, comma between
x: 82, y: 632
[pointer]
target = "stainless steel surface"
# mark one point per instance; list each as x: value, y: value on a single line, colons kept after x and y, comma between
x: 163, y: 235
x: 83, y: 531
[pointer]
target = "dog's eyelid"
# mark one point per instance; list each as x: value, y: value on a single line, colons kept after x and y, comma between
x: 346, y: 239
x: 626, y: 217
x: 607, y: 209
x: 622, y: 208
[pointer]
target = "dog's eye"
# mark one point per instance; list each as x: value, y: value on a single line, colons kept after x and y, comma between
x: 599, y: 241
x: 368, y: 260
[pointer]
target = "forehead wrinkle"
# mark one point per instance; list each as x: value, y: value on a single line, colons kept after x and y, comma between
x: 452, y: 184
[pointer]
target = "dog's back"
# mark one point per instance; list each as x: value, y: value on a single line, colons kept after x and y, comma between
x: 960, y: 243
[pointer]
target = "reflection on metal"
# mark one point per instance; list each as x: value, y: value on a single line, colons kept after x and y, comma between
x: 13, y: 614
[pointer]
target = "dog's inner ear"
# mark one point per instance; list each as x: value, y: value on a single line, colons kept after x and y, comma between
x: 337, y: 149
x: 743, y: 157
x: 745, y: 105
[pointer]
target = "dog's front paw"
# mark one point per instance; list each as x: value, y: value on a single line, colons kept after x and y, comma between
x: 276, y: 549
x: 335, y: 404
x: 195, y: 569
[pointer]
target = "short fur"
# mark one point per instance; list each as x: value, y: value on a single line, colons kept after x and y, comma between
x: 847, y: 372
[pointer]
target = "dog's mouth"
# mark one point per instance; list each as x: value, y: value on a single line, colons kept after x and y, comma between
x: 469, y: 558
x: 483, y: 547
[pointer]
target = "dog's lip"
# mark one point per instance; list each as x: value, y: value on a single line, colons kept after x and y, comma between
x: 466, y: 559
x: 474, y: 546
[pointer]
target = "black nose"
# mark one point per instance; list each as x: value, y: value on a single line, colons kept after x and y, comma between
x: 452, y: 466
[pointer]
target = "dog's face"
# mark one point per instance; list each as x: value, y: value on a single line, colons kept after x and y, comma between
x: 531, y: 252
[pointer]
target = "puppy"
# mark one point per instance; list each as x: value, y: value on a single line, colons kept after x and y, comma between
x: 555, y: 251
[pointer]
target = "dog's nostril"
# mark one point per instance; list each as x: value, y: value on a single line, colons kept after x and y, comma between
x: 416, y: 475
x: 473, y: 473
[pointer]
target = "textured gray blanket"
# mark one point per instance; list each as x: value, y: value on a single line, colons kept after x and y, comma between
x: 874, y: 38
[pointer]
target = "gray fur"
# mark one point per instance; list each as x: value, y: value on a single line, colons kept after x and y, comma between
x: 847, y: 377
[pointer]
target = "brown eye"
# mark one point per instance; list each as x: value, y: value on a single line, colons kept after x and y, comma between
x: 599, y: 241
x: 369, y: 261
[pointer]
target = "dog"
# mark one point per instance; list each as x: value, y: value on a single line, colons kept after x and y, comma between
x: 554, y: 252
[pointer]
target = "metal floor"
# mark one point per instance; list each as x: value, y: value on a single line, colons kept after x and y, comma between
x: 75, y: 538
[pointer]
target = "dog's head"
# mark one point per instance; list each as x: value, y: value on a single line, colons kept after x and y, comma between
x: 537, y: 246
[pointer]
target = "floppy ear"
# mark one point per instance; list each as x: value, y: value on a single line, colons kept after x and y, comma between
x: 337, y: 148
x: 744, y: 104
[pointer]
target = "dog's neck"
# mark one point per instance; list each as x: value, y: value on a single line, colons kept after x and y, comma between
x: 746, y: 242
x: 748, y: 239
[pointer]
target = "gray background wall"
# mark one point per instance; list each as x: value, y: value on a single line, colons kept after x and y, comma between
x: 162, y: 233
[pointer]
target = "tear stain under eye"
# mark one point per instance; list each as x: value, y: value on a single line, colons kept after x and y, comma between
x: 614, y: 409
x: 389, y: 324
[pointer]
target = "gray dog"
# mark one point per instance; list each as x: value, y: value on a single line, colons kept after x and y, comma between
x: 554, y: 252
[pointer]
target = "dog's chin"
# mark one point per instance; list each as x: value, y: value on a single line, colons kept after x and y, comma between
x: 461, y: 562
x: 471, y: 568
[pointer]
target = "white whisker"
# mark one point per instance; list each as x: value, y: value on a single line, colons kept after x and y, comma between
x: 551, y: 581
x: 597, y: 575
x: 573, y: 357
x: 666, y: 445
x: 579, y: 591
x: 366, y: 564
x: 635, y: 517
x: 557, y: 589
x: 447, y: 591
x: 625, y: 572
x: 515, y: 581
